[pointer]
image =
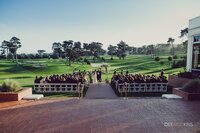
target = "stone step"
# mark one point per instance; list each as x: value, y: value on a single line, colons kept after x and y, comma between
x: 33, y: 97
x: 171, y: 96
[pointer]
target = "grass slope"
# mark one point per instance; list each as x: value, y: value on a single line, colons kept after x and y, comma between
x: 25, y: 73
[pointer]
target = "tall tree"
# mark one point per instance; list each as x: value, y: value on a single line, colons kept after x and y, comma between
x: 5, y: 47
x: 132, y: 50
x: 95, y: 49
x: 41, y: 52
x: 112, y: 50
x: 77, y: 47
x: 121, y: 50
x: 184, y: 33
x: 57, y: 49
x: 13, y: 45
x: 67, y: 47
x: 151, y: 50
x: 86, y: 51
x: 171, y: 42
x: 183, y: 36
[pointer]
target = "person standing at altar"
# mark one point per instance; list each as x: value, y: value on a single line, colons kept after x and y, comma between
x: 99, y: 75
x: 95, y: 76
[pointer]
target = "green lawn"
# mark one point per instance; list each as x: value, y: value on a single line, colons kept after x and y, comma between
x: 25, y: 73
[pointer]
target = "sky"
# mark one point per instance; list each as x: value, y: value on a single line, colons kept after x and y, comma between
x: 39, y: 23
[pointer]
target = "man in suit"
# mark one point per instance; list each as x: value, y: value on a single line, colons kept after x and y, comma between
x: 99, y: 75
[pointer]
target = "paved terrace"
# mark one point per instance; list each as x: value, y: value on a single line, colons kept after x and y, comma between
x: 100, y: 111
x: 101, y: 115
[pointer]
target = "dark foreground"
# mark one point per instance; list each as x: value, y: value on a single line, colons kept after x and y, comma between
x: 102, y: 115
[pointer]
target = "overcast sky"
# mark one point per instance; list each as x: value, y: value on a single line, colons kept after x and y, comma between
x: 39, y: 23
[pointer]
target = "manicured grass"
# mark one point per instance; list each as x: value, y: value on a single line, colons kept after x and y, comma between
x: 25, y: 72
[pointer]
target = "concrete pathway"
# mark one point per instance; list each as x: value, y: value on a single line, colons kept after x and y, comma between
x: 102, y: 116
x: 100, y: 91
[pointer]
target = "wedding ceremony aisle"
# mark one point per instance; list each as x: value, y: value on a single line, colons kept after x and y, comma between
x: 100, y: 91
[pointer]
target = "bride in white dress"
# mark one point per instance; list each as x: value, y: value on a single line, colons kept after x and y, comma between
x: 95, y: 77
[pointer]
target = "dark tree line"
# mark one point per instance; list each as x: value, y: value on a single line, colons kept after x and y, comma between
x: 121, y: 50
x: 74, y: 50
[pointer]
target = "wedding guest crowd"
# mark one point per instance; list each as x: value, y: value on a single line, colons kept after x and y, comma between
x: 75, y: 77
x: 138, y: 78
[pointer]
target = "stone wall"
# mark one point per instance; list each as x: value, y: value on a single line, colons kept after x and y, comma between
x: 177, y: 82
x: 12, y: 96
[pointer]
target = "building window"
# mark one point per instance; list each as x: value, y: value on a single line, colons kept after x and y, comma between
x: 196, y: 39
x: 196, y: 56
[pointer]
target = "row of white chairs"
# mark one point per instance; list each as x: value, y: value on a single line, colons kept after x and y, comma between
x: 58, y: 87
x: 141, y: 87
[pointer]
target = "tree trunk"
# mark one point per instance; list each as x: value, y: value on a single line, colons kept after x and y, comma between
x: 69, y: 62
x: 6, y: 53
x: 16, y: 58
x: 13, y: 57
x: 172, y: 49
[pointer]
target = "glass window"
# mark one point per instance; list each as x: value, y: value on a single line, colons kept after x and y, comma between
x: 196, y: 39
x: 196, y: 56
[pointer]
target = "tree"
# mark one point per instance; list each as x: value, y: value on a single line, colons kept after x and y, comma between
x: 150, y: 50
x: 41, y: 52
x: 57, y: 49
x: 183, y: 34
x: 13, y: 45
x: 5, y: 48
x: 86, y: 51
x: 132, y: 50
x: 77, y: 46
x: 85, y: 46
x: 95, y: 49
x: 140, y: 50
x: 121, y: 50
x: 67, y: 46
x: 112, y: 50
x: 170, y: 42
x: 185, y: 44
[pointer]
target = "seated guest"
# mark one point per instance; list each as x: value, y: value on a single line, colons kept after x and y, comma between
x: 115, y: 72
x: 37, y: 80
x: 162, y: 73
x: 127, y: 71
x: 121, y: 72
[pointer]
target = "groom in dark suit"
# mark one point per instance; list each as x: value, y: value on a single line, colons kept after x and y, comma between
x: 99, y: 75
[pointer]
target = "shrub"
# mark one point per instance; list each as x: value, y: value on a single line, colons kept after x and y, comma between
x: 178, y: 64
x: 192, y: 86
x: 88, y: 62
x: 183, y: 57
x: 175, y: 57
x: 103, y: 59
x: 111, y: 58
x: 10, y: 86
x: 162, y: 63
x: 157, y: 59
x: 85, y: 60
x: 169, y: 58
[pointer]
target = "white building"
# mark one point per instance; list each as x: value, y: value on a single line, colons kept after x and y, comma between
x: 193, y: 51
